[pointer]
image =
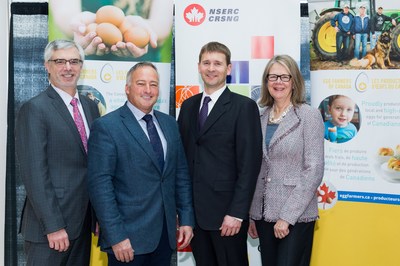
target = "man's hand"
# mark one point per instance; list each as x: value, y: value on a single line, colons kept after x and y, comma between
x: 123, y: 251
x: 58, y: 240
x: 230, y: 226
x: 252, y: 230
x: 185, y: 235
x: 97, y: 229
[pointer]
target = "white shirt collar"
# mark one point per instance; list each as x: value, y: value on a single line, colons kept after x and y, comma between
x: 215, y: 95
x: 136, y: 112
x: 65, y: 96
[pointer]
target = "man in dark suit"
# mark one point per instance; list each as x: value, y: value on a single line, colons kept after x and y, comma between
x: 138, y: 177
x: 222, y: 140
x: 51, y: 138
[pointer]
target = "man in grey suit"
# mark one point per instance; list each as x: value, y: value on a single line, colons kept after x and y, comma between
x: 138, y: 177
x: 51, y: 138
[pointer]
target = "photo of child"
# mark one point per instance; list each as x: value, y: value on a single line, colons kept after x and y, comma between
x: 341, y: 116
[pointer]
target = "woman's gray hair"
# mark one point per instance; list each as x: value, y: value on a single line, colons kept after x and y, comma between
x: 298, y: 93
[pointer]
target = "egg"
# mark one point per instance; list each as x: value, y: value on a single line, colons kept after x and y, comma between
x: 109, y: 33
x: 91, y: 28
x: 138, y: 36
x: 110, y: 14
x: 125, y: 25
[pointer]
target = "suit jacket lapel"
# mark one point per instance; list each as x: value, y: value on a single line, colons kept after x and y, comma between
x: 129, y: 120
x: 60, y: 107
x: 86, y: 110
x: 288, y: 124
x: 219, y: 109
x: 264, y: 122
x: 166, y: 130
x: 195, y: 115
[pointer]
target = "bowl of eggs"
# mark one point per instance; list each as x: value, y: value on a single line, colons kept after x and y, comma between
x: 391, y: 168
x: 112, y: 26
x: 384, y: 154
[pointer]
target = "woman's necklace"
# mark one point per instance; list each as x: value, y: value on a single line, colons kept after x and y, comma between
x: 279, y: 119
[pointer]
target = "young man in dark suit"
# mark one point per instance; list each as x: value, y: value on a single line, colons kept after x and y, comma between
x: 138, y: 177
x: 51, y: 145
x: 221, y: 134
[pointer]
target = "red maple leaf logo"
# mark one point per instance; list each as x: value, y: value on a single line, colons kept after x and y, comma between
x: 194, y: 14
x: 325, y: 195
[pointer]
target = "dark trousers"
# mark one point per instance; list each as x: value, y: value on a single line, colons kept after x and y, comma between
x: 211, y: 249
x: 159, y: 257
x: 342, y: 45
x: 78, y: 253
x: 293, y: 250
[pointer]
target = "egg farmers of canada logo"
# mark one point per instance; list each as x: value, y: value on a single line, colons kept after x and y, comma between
x: 362, y: 82
x: 106, y: 73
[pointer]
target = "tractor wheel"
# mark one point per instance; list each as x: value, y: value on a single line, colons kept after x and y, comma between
x: 396, y: 41
x: 324, y: 37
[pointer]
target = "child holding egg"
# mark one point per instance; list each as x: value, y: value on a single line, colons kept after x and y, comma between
x: 339, y: 127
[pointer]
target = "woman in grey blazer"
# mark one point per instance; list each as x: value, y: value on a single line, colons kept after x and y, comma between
x: 285, y: 207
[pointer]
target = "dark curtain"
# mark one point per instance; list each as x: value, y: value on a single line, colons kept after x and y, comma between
x: 27, y: 77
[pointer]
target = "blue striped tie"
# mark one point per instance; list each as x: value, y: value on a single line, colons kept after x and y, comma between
x: 155, y: 140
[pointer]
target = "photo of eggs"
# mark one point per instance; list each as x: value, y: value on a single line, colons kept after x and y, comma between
x: 112, y: 26
x: 388, y: 163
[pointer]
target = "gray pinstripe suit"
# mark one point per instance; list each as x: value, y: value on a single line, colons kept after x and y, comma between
x: 52, y: 163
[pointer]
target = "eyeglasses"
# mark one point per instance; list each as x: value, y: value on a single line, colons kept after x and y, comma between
x: 63, y: 62
x: 284, y: 78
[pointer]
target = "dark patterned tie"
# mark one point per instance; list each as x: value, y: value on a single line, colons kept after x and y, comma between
x: 155, y: 140
x: 203, y: 112
x: 79, y: 122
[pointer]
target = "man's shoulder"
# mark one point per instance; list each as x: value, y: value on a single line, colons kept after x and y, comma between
x: 188, y: 104
x: 164, y: 116
x: 37, y: 101
x: 192, y: 99
x: 110, y: 117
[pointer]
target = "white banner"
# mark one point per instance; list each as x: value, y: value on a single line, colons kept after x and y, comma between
x: 253, y: 30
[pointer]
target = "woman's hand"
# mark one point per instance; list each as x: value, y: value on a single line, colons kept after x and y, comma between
x: 281, y: 229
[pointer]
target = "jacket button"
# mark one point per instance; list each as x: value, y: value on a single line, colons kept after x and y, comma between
x: 268, y: 179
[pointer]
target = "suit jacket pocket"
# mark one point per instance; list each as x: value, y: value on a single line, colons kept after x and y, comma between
x: 290, y: 181
x: 224, y: 185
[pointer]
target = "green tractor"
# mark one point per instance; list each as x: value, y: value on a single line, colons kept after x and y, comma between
x: 324, y: 35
